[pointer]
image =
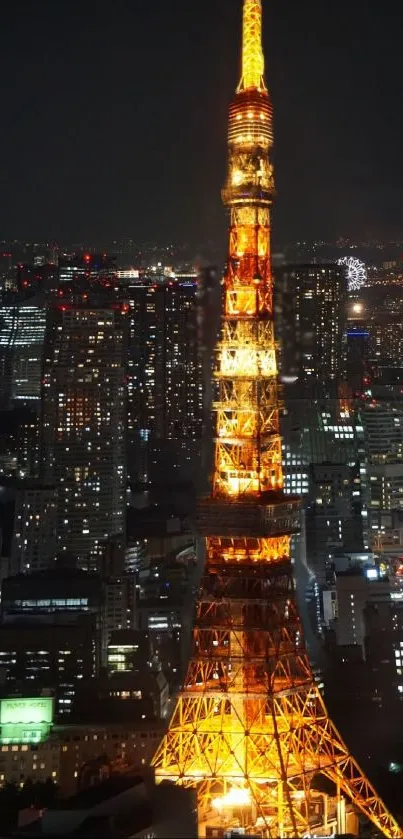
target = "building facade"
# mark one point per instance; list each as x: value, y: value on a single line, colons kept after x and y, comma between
x: 165, y: 382
x: 311, y: 320
x: 22, y: 337
x: 84, y: 426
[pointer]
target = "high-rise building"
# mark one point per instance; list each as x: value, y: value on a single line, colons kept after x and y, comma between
x: 83, y: 426
x: 50, y: 632
x: 19, y: 441
x: 311, y: 319
x: 354, y: 592
x: 250, y: 730
x: 165, y: 382
x: 118, y: 611
x: 22, y: 336
x: 357, y: 359
x: 383, y: 428
x: 54, y: 653
x: 386, y: 330
x: 33, y: 546
x: 324, y: 461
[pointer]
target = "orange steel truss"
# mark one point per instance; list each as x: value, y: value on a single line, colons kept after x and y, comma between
x: 250, y: 730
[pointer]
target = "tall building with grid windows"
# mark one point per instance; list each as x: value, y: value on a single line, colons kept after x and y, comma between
x: 22, y: 336
x: 383, y: 429
x: 324, y: 461
x: 311, y: 320
x: 84, y: 425
x: 165, y: 382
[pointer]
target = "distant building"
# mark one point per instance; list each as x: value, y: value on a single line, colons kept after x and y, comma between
x: 167, y: 622
x: 358, y: 359
x: 84, y: 426
x: 354, y: 591
x: 119, y: 607
x: 22, y: 336
x: 324, y: 461
x: 311, y: 317
x: 383, y: 428
x: 128, y: 651
x: 50, y: 636
x: 368, y: 624
x: 28, y: 518
x: 67, y: 753
x: 86, y: 267
x: 19, y: 441
x: 54, y: 653
x: 34, y: 532
x: 165, y: 382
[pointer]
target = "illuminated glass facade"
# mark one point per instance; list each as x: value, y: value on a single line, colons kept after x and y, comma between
x: 22, y: 335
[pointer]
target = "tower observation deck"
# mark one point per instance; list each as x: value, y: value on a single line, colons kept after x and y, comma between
x: 250, y: 730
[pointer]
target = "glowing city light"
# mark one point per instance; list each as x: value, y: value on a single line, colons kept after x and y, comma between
x: 233, y: 798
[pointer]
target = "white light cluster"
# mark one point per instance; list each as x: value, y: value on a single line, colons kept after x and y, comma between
x: 356, y: 272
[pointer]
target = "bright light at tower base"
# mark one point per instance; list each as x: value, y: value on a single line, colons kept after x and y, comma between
x: 233, y: 798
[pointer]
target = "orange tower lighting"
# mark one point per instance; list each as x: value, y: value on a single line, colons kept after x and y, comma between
x: 250, y: 730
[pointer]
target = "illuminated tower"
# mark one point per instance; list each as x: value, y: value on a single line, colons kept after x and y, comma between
x: 250, y: 730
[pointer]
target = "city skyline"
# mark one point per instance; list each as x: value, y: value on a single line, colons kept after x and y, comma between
x: 201, y: 471
x: 97, y: 102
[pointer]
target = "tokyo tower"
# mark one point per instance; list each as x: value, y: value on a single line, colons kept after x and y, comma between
x: 250, y: 730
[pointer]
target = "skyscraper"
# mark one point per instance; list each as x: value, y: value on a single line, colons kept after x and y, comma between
x: 324, y: 461
x: 33, y: 545
x: 311, y: 320
x: 250, y: 730
x: 383, y: 427
x: 22, y: 335
x: 165, y: 385
x: 83, y: 426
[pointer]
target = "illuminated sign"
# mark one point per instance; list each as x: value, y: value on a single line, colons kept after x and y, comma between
x: 26, y: 711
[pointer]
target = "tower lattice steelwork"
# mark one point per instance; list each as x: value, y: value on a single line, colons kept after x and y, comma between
x: 250, y: 730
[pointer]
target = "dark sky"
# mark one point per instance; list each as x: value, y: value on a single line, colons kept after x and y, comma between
x: 114, y: 117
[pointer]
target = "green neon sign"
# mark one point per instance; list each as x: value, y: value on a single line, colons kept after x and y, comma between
x: 26, y: 711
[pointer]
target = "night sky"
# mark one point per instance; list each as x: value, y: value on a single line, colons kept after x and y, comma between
x: 114, y: 117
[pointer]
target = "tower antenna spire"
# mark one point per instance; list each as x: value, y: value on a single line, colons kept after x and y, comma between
x: 252, y: 74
